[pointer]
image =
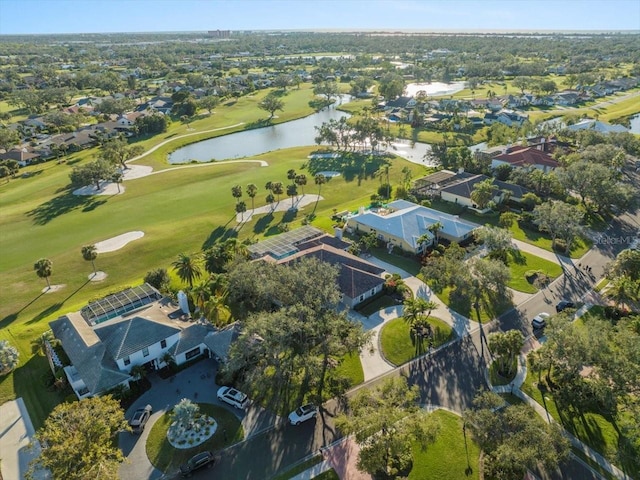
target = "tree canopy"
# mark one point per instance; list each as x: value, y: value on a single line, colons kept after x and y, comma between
x: 79, y: 440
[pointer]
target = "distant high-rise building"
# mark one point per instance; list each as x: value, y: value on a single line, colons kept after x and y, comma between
x: 219, y: 33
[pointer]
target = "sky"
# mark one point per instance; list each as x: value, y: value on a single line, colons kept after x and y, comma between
x: 97, y: 16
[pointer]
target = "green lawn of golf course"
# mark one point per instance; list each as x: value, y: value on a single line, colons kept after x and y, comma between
x: 178, y: 210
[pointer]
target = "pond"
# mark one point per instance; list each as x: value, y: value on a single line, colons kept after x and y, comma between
x: 297, y: 133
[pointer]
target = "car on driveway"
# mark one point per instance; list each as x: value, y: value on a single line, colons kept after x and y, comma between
x: 196, y: 462
x: 564, y: 304
x: 233, y: 397
x: 140, y: 418
x: 303, y: 413
x: 540, y: 321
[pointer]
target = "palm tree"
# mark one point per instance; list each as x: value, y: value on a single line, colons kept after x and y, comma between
x: 241, y: 207
x: 292, y: 191
x: 301, y: 181
x: 435, y: 228
x: 278, y: 189
x: 423, y: 240
x: 291, y: 174
x: 38, y: 345
x: 319, y: 180
x: 187, y: 269
x: 200, y: 294
x: 168, y: 359
x: 252, y: 190
x: 622, y: 290
x: 215, y: 308
x: 90, y: 253
x: 270, y: 199
x: 138, y: 372
x: 236, y: 191
x: 44, y: 268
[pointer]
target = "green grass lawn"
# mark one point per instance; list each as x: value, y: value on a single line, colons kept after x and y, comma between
x: 450, y: 457
x: 490, y: 308
x: 399, y: 345
x: 496, y: 378
x: 327, y: 475
x: 351, y: 368
x: 408, y: 264
x: 596, y: 430
x: 523, y: 262
x: 168, y: 459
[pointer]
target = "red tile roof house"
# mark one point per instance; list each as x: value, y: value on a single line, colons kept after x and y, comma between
x: 525, y: 157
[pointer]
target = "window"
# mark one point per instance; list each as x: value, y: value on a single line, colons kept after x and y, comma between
x: 361, y: 298
x: 145, y: 352
x: 127, y: 361
x: 192, y: 353
x: 163, y: 344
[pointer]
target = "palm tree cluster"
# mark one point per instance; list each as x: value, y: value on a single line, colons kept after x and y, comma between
x: 207, y: 282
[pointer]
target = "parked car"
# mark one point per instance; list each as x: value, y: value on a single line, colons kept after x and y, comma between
x: 196, y: 462
x: 233, y: 397
x: 303, y: 413
x: 540, y: 321
x: 140, y: 418
x: 563, y: 304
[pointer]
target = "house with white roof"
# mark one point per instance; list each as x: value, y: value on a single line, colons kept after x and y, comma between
x: 402, y: 224
x: 598, y: 126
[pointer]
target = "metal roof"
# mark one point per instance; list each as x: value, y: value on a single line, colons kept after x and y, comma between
x: 119, y: 303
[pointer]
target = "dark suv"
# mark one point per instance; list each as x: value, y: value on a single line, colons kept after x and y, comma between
x: 196, y: 462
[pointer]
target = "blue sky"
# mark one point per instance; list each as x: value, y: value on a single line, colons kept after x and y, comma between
x: 80, y: 16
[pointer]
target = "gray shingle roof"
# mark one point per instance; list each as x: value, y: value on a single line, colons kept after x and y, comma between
x: 220, y: 341
x: 191, y: 337
x: 131, y: 335
x: 96, y: 369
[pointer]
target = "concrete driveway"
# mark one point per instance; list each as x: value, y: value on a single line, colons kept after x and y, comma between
x: 196, y: 383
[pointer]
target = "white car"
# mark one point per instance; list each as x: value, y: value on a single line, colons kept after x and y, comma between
x: 233, y: 397
x: 540, y: 321
x: 303, y: 413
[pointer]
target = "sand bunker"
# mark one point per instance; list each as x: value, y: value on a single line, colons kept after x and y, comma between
x: 112, y: 188
x: 116, y: 243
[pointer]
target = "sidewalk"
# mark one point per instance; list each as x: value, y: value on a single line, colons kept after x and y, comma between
x: 342, y: 457
x: 16, y: 433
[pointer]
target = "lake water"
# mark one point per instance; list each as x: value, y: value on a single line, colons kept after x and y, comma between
x: 635, y: 124
x: 297, y: 133
x: 434, y: 88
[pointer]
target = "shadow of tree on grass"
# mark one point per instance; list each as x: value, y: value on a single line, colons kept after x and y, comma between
x: 62, y: 204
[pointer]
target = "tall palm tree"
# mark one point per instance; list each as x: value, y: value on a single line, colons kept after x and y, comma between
x: 38, y: 345
x: 252, y: 190
x: 291, y: 174
x: 292, y: 191
x: 90, y: 253
x: 44, y: 268
x: 423, y: 240
x: 301, y: 181
x: 216, y: 309
x: 278, y: 189
x: 319, y: 180
x: 241, y: 207
x: 200, y: 293
x: 270, y: 199
x: 236, y: 191
x: 435, y: 228
x: 187, y: 268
